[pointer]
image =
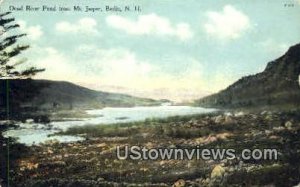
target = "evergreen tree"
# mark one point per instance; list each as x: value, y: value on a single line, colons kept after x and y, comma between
x: 10, y: 49
x: 14, y: 89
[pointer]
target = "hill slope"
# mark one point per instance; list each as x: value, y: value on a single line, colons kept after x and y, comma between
x: 277, y: 85
x: 49, y: 94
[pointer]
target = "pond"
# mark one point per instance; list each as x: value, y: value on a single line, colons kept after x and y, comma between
x: 35, y: 133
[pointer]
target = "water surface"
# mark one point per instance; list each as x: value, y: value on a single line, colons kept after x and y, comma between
x: 35, y: 133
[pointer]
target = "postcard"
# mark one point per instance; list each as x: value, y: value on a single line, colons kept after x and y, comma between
x: 149, y: 93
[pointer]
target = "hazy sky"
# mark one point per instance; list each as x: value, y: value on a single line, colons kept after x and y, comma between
x: 175, y: 49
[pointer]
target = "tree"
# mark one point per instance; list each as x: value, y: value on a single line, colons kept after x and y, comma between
x: 9, y: 70
x: 13, y: 92
x: 10, y: 49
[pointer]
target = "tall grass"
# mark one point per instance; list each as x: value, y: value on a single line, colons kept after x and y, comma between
x: 156, y: 126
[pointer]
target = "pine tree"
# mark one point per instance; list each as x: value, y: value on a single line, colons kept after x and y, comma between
x: 10, y: 49
x: 16, y: 85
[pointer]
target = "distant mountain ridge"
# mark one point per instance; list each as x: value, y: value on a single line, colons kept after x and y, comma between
x: 61, y: 94
x: 277, y: 85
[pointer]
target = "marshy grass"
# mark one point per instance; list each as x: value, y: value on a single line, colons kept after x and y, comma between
x: 155, y: 126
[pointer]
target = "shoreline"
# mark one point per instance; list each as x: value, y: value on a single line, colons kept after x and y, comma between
x: 94, y: 159
x: 60, y: 121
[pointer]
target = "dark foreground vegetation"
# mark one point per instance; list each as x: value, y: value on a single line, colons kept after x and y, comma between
x: 93, y: 162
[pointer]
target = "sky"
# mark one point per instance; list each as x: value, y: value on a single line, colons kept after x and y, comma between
x: 171, y: 49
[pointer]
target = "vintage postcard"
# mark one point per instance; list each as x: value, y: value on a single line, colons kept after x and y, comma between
x: 149, y: 93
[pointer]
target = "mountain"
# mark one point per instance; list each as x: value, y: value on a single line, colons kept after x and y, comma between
x: 276, y: 86
x: 45, y: 94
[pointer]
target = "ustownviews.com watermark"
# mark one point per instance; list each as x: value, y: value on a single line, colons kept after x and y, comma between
x: 143, y: 153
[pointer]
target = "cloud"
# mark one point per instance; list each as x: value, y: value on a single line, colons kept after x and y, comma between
x: 121, y: 70
x: 147, y: 80
x: 150, y: 24
x: 33, y: 32
x: 58, y: 66
x: 84, y: 26
x: 113, y: 66
x: 228, y: 24
x: 118, y: 67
